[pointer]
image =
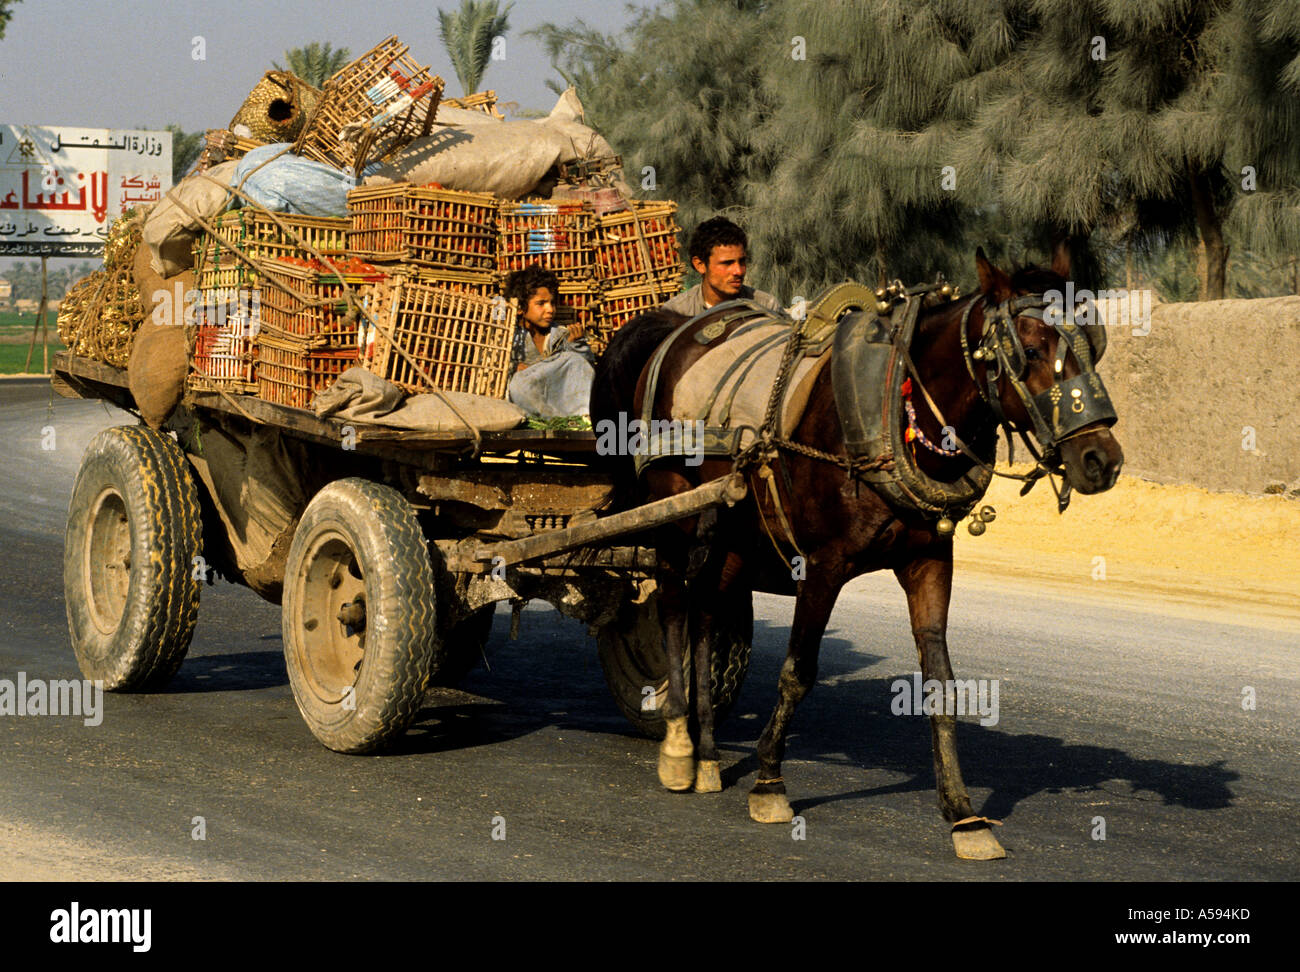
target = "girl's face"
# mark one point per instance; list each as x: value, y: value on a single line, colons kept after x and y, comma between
x: 540, y: 311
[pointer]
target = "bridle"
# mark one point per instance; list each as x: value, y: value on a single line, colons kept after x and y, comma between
x: 1069, y: 408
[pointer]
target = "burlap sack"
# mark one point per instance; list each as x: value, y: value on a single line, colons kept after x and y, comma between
x: 170, y: 231
x: 160, y: 353
x: 474, y: 152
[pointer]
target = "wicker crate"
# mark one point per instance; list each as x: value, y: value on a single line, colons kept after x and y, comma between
x: 252, y: 232
x: 290, y: 372
x: 579, y: 302
x: 484, y: 101
x: 384, y: 99
x: 225, y: 357
x: 556, y: 236
x: 461, y: 341
x: 221, y: 145
x: 639, y: 246
x: 482, y: 283
x: 619, y: 306
x: 308, y: 301
x: 439, y: 228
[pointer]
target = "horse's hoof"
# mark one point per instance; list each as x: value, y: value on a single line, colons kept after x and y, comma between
x: 676, y: 773
x: 770, y: 808
x: 677, y: 756
x: 977, y: 845
x: 708, y: 776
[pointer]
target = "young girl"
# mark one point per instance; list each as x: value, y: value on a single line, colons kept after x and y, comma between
x: 552, y: 366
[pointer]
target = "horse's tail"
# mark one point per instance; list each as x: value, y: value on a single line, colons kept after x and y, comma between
x: 613, y: 390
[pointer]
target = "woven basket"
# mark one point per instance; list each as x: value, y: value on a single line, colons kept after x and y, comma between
x: 278, y: 107
x: 371, y: 109
x: 98, y: 317
x: 482, y: 283
x: 440, y: 228
x: 224, y: 358
x: 460, y: 341
x: 290, y: 372
x: 620, y: 305
x: 222, y: 145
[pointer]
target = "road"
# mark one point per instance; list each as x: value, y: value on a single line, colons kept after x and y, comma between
x: 1133, y: 715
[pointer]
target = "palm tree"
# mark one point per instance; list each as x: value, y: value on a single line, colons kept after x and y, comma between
x: 315, y: 63
x: 467, y: 34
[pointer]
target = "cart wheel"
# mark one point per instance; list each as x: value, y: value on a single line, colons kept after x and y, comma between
x: 462, y: 648
x: 633, y: 657
x: 129, y: 578
x: 359, y: 615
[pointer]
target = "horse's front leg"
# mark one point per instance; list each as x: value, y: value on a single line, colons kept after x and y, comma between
x: 812, y: 610
x: 713, y: 593
x: 928, y: 584
x: 676, y: 752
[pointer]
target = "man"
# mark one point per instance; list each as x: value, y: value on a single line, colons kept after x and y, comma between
x: 718, y: 254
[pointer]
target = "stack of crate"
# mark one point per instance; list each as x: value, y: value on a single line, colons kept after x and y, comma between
x: 636, y: 264
x: 445, y: 326
x: 311, y: 333
x: 229, y: 265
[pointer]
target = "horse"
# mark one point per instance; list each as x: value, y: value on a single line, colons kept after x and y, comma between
x: 825, y: 504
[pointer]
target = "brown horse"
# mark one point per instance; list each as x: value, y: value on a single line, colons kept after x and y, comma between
x: 840, y: 524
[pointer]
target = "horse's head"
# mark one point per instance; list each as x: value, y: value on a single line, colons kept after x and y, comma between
x: 1036, y: 368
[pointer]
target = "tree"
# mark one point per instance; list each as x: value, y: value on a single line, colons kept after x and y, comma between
x: 315, y: 63
x: 185, y: 151
x: 5, y: 14
x: 468, y: 33
x: 679, y: 96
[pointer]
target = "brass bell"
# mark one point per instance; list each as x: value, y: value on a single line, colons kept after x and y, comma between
x: 880, y: 293
x: 988, y: 514
x: 944, y: 526
x: 979, y: 354
x: 946, y: 289
x: 883, y: 306
x: 976, y: 527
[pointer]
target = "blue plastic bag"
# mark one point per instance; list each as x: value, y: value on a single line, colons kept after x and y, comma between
x: 292, y: 184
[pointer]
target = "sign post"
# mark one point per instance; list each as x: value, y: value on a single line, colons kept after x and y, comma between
x: 61, y: 188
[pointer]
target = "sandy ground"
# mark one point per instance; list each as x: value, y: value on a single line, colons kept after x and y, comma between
x: 32, y: 854
x: 1196, y: 553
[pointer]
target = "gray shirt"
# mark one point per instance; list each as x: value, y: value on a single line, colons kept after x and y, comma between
x: 691, y: 303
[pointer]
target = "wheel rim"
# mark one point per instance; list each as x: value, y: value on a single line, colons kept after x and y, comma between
x: 330, y: 618
x: 107, y: 560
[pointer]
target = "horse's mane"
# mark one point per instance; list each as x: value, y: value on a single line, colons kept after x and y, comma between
x: 1033, y: 279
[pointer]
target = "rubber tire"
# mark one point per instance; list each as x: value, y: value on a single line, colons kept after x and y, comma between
x: 632, y: 656
x: 377, y: 527
x: 135, y: 639
x: 463, y: 648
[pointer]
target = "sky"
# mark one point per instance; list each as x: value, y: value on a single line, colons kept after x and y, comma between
x: 131, y: 64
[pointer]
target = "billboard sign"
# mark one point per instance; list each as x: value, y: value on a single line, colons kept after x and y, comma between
x: 60, y: 188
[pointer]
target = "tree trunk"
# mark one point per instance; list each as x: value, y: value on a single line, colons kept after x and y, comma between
x: 1214, y: 279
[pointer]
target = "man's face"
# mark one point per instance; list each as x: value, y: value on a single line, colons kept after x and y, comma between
x: 725, y: 272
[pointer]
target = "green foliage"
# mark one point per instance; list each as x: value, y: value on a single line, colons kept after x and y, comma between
x: 6, y: 12
x: 873, y: 138
x: 315, y: 63
x: 186, y: 147
x: 26, y: 278
x: 467, y: 35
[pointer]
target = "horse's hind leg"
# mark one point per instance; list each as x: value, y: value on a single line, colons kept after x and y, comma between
x: 676, y: 752
x: 928, y: 584
x: 812, y: 609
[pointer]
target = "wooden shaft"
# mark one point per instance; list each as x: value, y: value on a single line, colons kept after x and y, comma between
x: 727, y: 490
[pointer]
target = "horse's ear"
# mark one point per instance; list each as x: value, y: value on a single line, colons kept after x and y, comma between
x: 1061, y: 260
x: 993, y: 282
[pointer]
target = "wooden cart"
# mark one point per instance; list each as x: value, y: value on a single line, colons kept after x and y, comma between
x: 396, y: 561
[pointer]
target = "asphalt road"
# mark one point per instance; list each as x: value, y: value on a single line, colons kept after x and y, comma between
x: 1133, y: 716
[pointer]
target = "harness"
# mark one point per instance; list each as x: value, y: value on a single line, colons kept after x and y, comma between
x: 870, y: 360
